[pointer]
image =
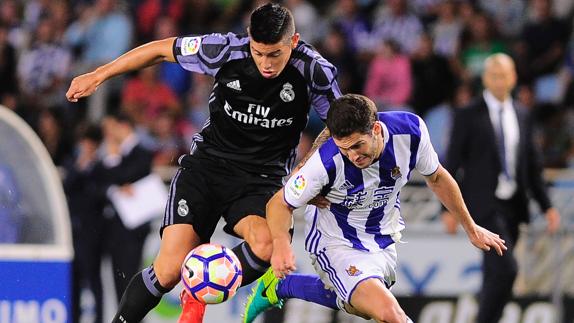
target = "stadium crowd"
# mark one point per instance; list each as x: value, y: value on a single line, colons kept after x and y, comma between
x: 425, y: 56
x: 419, y: 55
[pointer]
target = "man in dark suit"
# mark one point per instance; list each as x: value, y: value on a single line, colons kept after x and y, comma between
x: 125, y: 161
x: 491, y: 144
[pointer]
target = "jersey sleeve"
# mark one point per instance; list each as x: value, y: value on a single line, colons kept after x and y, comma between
x: 306, y: 183
x: 207, y: 53
x: 427, y: 158
x: 324, y: 86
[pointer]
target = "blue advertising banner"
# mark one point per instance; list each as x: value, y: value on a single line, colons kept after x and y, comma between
x: 35, y: 291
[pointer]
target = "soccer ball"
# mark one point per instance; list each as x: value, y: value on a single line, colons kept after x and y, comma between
x: 211, y: 273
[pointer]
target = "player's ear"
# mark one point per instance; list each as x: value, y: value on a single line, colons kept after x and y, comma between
x: 295, y: 40
x: 377, y: 128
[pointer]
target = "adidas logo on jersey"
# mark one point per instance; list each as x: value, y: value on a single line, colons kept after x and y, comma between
x: 234, y: 85
x: 346, y: 185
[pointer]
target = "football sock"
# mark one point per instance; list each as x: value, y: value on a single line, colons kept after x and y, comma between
x: 142, y: 294
x: 307, y: 287
x: 251, y: 265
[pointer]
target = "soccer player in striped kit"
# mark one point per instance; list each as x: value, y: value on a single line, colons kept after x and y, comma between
x: 360, y: 171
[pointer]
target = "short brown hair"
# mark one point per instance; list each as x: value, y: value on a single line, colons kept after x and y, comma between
x: 351, y: 113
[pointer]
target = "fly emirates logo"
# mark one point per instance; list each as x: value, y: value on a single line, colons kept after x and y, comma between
x: 256, y: 115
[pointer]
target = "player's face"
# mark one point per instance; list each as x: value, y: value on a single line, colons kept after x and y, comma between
x: 271, y: 59
x: 362, y: 149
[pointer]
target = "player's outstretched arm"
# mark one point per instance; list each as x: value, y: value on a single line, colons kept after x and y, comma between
x: 279, y: 219
x: 448, y: 192
x: 139, y: 57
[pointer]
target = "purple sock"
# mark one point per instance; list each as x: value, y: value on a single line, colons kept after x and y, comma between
x: 308, y: 288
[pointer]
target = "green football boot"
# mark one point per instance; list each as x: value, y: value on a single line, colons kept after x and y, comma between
x: 263, y: 297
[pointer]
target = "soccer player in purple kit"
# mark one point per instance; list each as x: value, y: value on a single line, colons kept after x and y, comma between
x: 360, y: 171
x: 265, y: 83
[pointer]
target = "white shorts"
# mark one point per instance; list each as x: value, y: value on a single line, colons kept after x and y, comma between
x: 342, y: 268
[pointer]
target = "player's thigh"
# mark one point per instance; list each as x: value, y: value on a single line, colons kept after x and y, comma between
x: 343, y: 268
x: 176, y: 242
x: 372, y: 298
x: 190, y: 218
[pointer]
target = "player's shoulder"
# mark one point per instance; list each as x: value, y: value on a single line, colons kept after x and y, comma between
x: 327, y: 153
x: 317, y: 70
x: 401, y: 122
x: 215, y: 45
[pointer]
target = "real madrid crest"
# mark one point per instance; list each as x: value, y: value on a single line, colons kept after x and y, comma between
x: 287, y: 94
x: 182, y: 208
x: 396, y: 173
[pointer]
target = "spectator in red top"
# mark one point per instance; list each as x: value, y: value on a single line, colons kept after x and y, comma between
x: 389, y: 81
x: 145, y: 96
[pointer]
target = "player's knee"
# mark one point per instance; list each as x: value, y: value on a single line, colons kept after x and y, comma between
x: 168, y: 275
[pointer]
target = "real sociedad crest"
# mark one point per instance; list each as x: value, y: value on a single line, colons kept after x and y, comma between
x: 287, y: 94
x: 396, y: 173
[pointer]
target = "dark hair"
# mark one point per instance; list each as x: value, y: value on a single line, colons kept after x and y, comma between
x: 351, y: 113
x: 270, y: 23
x: 121, y: 117
x: 92, y: 132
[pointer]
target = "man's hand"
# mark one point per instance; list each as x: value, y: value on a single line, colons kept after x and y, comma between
x: 450, y: 222
x: 320, y: 201
x: 552, y: 219
x: 82, y: 86
x: 282, y: 259
x: 484, y: 239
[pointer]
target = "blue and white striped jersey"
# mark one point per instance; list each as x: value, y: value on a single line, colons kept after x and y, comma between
x: 365, y: 205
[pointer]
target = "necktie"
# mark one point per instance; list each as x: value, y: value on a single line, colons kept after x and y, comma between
x: 500, y: 142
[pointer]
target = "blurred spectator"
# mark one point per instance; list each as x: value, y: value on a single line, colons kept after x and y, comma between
x: 556, y: 137
x: 446, y: 30
x: 306, y: 19
x: 199, y: 16
x: 43, y: 70
x: 335, y: 48
x: 173, y: 75
x: 433, y: 80
x: 85, y: 202
x: 398, y: 24
x: 11, y: 17
x: 480, y: 43
x: 508, y: 15
x: 389, y: 81
x: 149, y: 13
x: 439, y: 119
x: 125, y: 161
x: 165, y: 142
x: 426, y: 10
x: 102, y: 33
x: 348, y: 18
x: 144, y: 97
x: 543, y: 43
x: 51, y: 130
x: 8, y: 83
x: 34, y: 10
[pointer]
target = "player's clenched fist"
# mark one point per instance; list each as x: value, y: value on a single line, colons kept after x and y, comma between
x: 82, y: 86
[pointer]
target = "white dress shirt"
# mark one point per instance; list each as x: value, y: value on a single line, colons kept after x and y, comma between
x: 506, y: 185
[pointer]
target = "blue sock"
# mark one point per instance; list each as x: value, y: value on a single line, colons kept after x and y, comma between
x: 308, y: 288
